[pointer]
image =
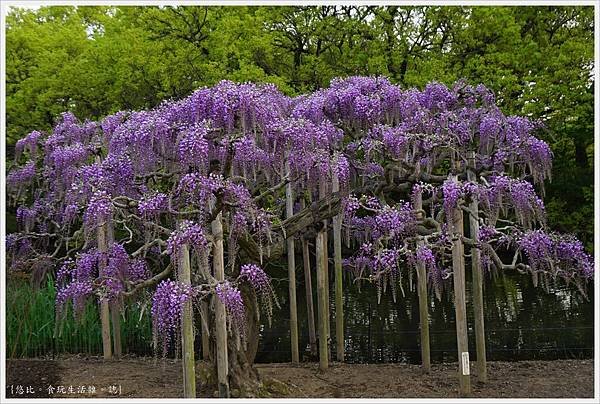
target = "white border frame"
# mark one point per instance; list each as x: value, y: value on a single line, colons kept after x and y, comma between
x: 4, y: 6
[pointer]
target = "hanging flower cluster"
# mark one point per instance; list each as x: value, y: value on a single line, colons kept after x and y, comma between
x: 21, y: 175
x: 112, y: 270
x: 425, y: 256
x: 231, y: 297
x: 99, y: 209
x: 29, y: 143
x: 189, y: 233
x: 452, y: 192
x: 193, y: 146
x: 167, y: 307
x: 153, y: 204
x: 556, y: 254
x: 261, y: 283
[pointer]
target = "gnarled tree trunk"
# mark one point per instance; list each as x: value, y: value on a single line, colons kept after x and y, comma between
x: 243, y: 378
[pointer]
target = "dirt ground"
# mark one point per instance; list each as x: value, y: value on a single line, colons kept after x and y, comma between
x: 564, y: 378
x: 149, y: 377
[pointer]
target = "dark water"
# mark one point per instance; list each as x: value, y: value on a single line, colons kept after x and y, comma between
x: 522, y: 322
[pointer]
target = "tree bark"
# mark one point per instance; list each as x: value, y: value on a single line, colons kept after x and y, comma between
x: 243, y: 377
x: 244, y: 380
x: 302, y: 221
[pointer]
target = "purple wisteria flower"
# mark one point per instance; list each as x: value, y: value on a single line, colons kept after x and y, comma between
x: 231, y: 297
x: 435, y: 274
x: 452, y: 192
x: 29, y: 143
x: 558, y: 254
x: 537, y: 246
x: 153, y: 204
x: 99, y: 209
x: 188, y: 233
x: 256, y: 277
x: 192, y: 148
x: 167, y: 308
x: 78, y: 292
x: 21, y: 175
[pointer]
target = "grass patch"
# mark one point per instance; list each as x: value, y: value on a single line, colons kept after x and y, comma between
x: 33, y: 331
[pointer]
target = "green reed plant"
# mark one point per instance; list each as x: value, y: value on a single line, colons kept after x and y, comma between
x: 32, y: 329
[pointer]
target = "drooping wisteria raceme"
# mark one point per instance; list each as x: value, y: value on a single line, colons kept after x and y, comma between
x: 167, y: 308
x: 261, y: 283
x: 156, y: 179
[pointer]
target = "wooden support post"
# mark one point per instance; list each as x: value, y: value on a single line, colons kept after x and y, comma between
x: 115, y: 317
x: 458, y: 269
x: 322, y: 301
x: 310, y: 311
x: 423, y: 299
x: 337, y: 263
x: 326, y: 276
x: 115, y: 307
x: 220, y: 313
x: 291, y: 259
x: 102, y: 236
x: 205, y: 339
x: 187, y: 328
x: 324, y: 240
x: 105, y: 322
x: 477, y: 281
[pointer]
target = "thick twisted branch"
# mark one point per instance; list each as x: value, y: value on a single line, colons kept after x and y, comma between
x: 299, y: 223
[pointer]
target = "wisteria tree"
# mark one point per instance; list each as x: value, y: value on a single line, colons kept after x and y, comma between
x: 183, y: 206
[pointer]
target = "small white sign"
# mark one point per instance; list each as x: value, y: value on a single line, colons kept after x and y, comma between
x: 465, y: 364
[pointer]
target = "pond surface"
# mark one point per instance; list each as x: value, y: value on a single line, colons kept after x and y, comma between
x: 522, y: 322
